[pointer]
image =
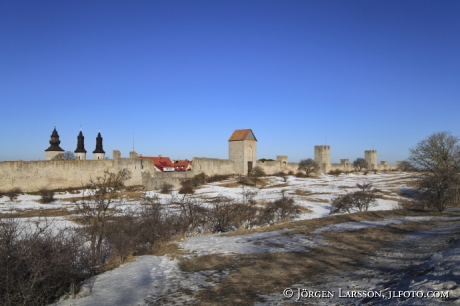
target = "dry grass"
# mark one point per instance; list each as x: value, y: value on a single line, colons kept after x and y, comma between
x: 132, y: 195
x: 315, y: 200
x: 259, y: 274
x: 163, y: 248
x: 277, y: 186
x: 234, y: 184
x: 29, y: 213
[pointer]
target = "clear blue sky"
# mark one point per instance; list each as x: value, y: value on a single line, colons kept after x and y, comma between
x: 182, y: 75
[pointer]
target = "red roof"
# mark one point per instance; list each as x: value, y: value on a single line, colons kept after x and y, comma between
x: 160, y: 162
x: 239, y: 135
x: 182, y: 165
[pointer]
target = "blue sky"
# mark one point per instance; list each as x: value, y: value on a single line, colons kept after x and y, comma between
x: 182, y: 75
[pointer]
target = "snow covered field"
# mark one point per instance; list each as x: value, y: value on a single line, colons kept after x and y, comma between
x: 150, y: 279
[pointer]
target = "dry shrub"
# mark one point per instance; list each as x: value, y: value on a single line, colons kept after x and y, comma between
x: 166, y: 188
x: 187, y: 187
x: 13, y: 193
x: 243, y: 180
x: 335, y: 172
x: 39, y: 264
x: 217, y: 178
x: 361, y: 199
x: 199, y: 179
x: 291, y: 172
x: 47, y: 196
x: 279, y: 210
x: 300, y: 174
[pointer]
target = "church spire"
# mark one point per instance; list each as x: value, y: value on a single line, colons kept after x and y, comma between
x: 80, y: 152
x: 99, y: 152
x: 54, y: 149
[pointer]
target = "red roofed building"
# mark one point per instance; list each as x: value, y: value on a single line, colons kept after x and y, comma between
x: 163, y: 164
x: 182, y: 165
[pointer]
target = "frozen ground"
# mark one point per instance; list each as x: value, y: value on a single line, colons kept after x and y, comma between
x: 151, y: 278
x: 408, y: 265
x: 421, y: 264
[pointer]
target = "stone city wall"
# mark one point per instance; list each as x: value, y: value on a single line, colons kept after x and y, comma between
x: 211, y: 166
x: 34, y: 175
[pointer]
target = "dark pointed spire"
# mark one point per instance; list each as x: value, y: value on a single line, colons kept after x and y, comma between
x: 54, y: 141
x: 80, y: 143
x: 99, y: 144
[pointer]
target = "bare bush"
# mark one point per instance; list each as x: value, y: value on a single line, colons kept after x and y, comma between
x: 47, y: 196
x: 166, y: 188
x: 247, y: 213
x: 282, y: 175
x: 156, y: 225
x: 221, y: 215
x: 217, y: 178
x: 243, y: 180
x: 37, y: 265
x: 335, y: 172
x: 186, y: 187
x: 361, y: 200
x: 13, y: 193
x: 279, y: 210
x: 199, y: 179
x: 256, y: 173
x: 193, y: 215
x: 342, y: 203
x: 300, y: 174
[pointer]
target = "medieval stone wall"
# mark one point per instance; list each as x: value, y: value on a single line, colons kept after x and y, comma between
x: 211, y: 166
x: 35, y: 175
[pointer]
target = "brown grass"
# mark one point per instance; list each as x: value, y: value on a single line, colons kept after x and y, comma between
x: 29, y: 213
x: 259, y: 274
x: 278, y: 185
x: 234, y: 184
x: 316, y: 200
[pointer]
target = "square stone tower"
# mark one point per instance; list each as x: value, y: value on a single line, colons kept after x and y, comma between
x: 323, y: 158
x: 242, y: 149
x: 371, y: 159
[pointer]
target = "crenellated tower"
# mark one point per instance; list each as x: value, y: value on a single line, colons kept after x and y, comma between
x: 371, y: 159
x: 323, y: 158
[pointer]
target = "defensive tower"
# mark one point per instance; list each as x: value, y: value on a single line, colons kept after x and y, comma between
x: 371, y: 159
x: 242, y: 147
x: 323, y: 158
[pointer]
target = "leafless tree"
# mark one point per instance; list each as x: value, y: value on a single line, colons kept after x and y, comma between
x: 256, y: 173
x: 438, y: 159
x: 98, y: 208
x: 308, y: 165
x: 405, y: 166
x: 359, y: 164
